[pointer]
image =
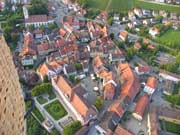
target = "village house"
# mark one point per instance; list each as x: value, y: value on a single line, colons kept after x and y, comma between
x: 169, y: 76
x: 38, y: 20
x: 27, y: 60
x: 141, y: 106
x: 141, y: 70
x: 138, y: 12
x: 71, y: 23
x: 38, y: 33
x: 75, y: 99
x: 69, y: 70
x: 154, y: 31
x: 168, y: 87
x: 43, y: 49
x: 50, y: 69
x: 137, y: 46
x: 123, y: 35
x: 107, y: 124
x: 130, y: 83
x: 151, y: 85
x: 121, y: 131
x: 116, y: 57
x: 98, y: 64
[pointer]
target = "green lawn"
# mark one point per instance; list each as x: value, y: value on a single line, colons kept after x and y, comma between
x: 170, y: 38
x: 98, y: 4
x: 56, y: 110
x: 153, y: 6
x: 115, y: 5
x: 121, y: 5
x: 41, y: 100
x: 38, y: 114
x: 170, y: 127
x: 124, y: 5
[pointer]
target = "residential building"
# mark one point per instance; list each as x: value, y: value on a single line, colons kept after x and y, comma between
x: 141, y: 106
x: 141, y: 70
x: 11, y: 101
x: 50, y: 69
x: 121, y: 131
x: 154, y: 31
x: 151, y: 85
x: 169, y: 76
x: 69, y: 70
x: 130, y: 83
x: 123, y: 35
x: 75, y: 99
x: 38, y: 20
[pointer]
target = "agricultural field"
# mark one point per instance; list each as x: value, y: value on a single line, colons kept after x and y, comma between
x: 125, y: 5
x: 170, y: 38
x: 153, y: 6
x: 111, y: 5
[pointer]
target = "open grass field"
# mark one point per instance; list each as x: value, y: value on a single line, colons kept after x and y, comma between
x: 153, y: 6
x: 125, y: 5
x: 171, y: 38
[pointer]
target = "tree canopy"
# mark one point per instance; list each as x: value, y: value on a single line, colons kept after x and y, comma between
x: 38, y: 7
x: 72, y: 128
x: 41, y: 89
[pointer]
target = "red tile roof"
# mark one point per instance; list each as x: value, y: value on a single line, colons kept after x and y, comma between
x: 124, y: 34
x: 141, y: 105
x: 121, y: 131
x: 28, y: 51
x: 37, y: 18
x: 137, y: 45
x: 28, y: 39
x: 62, y: 32
x: 59, y: 43
x: 109, y: 91
x: 43, y: 69
x: 152, y: 82
x: 117, y: 108
x: 76, y: 100
x: 98, y: 61
x: 38, y: 31
x: 43, y: 47
x: 131, y: 85
x: 143, y: 69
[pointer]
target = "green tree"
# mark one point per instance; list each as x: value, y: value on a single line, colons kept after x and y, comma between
x: 52, y: 26
x: 82, y: 2
x: 110, y: 21
x: 72, y: 128
x: 112, y: 36
x: 72, y: 78
x: 42, y: 89
x: 38, y: 7
x: 78, y: 66
x: 99, y: 102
